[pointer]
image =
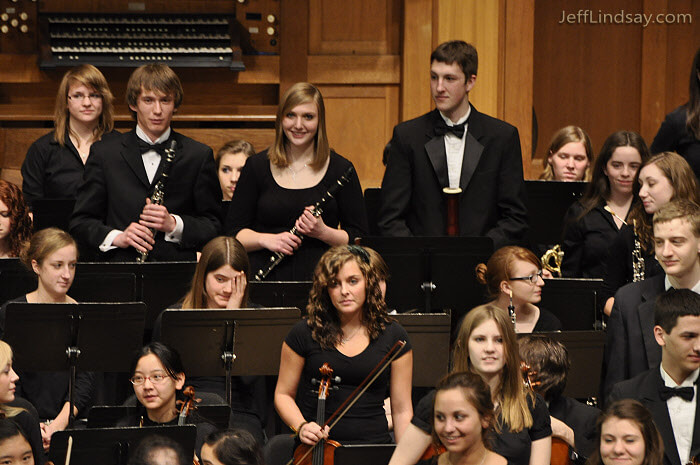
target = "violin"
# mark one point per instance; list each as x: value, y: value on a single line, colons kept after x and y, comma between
x: 186, y: 407
x: 323, y: 452
x: 560, y: 448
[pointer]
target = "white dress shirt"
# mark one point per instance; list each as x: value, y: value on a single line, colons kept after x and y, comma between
x: 454, y: 149
x: 682, y: 413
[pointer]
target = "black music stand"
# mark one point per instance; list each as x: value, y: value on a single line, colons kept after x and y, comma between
x: 105, y: 416
x: 114, y: 446
x: 210, y: 340
x: 574, y: 301
x: 280, y: 293
x: 429, y: 334
x: 547, y: 203
x: 374, y: 454
x: 52, y: 212
x: 437, y: 271
x: 86, y: 337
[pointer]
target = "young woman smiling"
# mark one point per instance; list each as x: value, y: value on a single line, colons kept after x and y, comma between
x: 279, y: 186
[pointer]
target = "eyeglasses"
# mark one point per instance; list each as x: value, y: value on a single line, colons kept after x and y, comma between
x: 533, y: 278
x: 93, y: 97
x: 157, y: 378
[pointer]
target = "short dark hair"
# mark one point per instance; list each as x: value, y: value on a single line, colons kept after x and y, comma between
x: 550, y: 360
x: 143, y: 455
x: 10, y: 428
x: 673, y: 304
x: 167, y: 355
x: 460, y: 52
x: 235, y: 446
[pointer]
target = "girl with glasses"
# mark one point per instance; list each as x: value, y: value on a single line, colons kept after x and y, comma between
x: 158, y: 377
x: 513, y: 278
x: 83, y: 114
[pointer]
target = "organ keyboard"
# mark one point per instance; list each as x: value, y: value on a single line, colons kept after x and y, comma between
x: 127, y: 40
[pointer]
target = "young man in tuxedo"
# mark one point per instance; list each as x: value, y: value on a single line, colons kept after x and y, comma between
x: 113, y: 211
x: 631, y: 346
x: 454, y: 146
x: 669, y: 389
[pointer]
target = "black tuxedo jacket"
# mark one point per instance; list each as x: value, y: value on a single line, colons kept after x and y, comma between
x: 491, y: 203
x: 115, y: 187
x: 645, y: 387
x: 631, y: 348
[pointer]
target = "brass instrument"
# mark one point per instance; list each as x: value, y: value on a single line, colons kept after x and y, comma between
x: 277, y: 257
x: 452, y: 224
x: 637, y: 258
x: 159, y: 191
x: 556, y: 254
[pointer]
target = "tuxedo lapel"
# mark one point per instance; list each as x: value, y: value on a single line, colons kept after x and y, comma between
x: 161, y: 165
x: 132, y: 155
x: 472, y: 149
x: 649, y: 393
x: 435, y: 148
x: 695, y: 444
x: 645, y: 313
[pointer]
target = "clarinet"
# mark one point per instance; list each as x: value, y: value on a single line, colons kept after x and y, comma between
x: 637, y: 258
x: 277, y: 257
x: 159, y: 191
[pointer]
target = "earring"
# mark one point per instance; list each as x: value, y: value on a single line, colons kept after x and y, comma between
x: 511, y: 308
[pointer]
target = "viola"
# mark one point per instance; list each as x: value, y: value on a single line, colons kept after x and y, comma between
x: 186, y: 407
x: 323, y: 452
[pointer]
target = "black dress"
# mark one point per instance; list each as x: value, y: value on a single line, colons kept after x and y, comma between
x: 586, y: 241
x: 262, y: 205
x: 618, y: 268
x: 515, y: 447
x: 547, y: 322
x: 48, y: 390
x: 366, y: 421
x: 50, y: 171
x: 673, y: 136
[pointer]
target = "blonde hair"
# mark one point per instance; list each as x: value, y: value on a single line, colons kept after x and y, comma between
x: 299, y: 94
x: 44, y: 243
x: 88, y: 76
x: 5, y: 359
x: 562, y: 137
x: 511, y: 394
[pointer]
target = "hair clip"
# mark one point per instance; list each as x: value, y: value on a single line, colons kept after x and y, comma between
x: 360, y: 252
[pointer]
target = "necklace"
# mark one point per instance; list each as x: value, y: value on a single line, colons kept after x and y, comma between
x: 294, y: 173
x: 344, y: 339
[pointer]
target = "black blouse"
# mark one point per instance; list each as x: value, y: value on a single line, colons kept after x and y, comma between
x: 673, y: 136
x: 50, y: 171
x: 260, y: 204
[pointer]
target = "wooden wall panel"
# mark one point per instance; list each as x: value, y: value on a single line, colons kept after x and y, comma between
x: 417, y: 44
x: 348, y: 27
x: 360, y: 120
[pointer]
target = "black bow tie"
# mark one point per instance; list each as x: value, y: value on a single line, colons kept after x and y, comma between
x: 457, y: 129
x: 686, y: 393
x: 159, y: 148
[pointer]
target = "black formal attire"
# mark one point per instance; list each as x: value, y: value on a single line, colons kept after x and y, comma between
x: 48, y: 390
x: 50, y: 171
x: 262, y: 205
x: 491, y: 203
x: 618, y: 269
x: 581, y: 418
x: 365, y: 422
x: 630, y: 346
x: 673, y: 136
x: 586, y: 241
x: 515, y: 447
x: 646, y: 388
x: 115, y: 188
x: 547, y: 322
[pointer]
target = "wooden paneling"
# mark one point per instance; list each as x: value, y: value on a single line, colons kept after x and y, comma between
x: 354, y: 27
x: 294, y: 42
x: 415, y: 59
x: 359, y: 122
x: 353, y: 69
x: 216, y: 138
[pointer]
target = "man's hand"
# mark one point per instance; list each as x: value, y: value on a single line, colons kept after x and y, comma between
x: 157, y: 217
x: 137, y: 236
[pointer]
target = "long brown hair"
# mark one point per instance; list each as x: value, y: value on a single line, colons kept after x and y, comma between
x: 298, y: 94
x: 90, y: 77
x: 323, y: 316
x: 220, y: 251
x: 685, y: 187
x: 562, y: 137
x: 20, y: 222
x: 512, y: 396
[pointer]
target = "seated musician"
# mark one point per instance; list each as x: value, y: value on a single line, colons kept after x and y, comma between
x: 14, y: 445
x: 15, y: 222
x: 114, y: 212
x: 572, y: 421
x: 230, y: 160
x: 231, y: 447
x: 279, y: 187
x: 463, y: 421
x: 349, y: 329
x: 513, y: 278
x: 569, y: 156
x: 670, y: 389
x: 158, y: 377
x: 220, y: 282
x: 52, y: 255
x: 159, y: 450
x: 486, y: 345
x: 54, y: 165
